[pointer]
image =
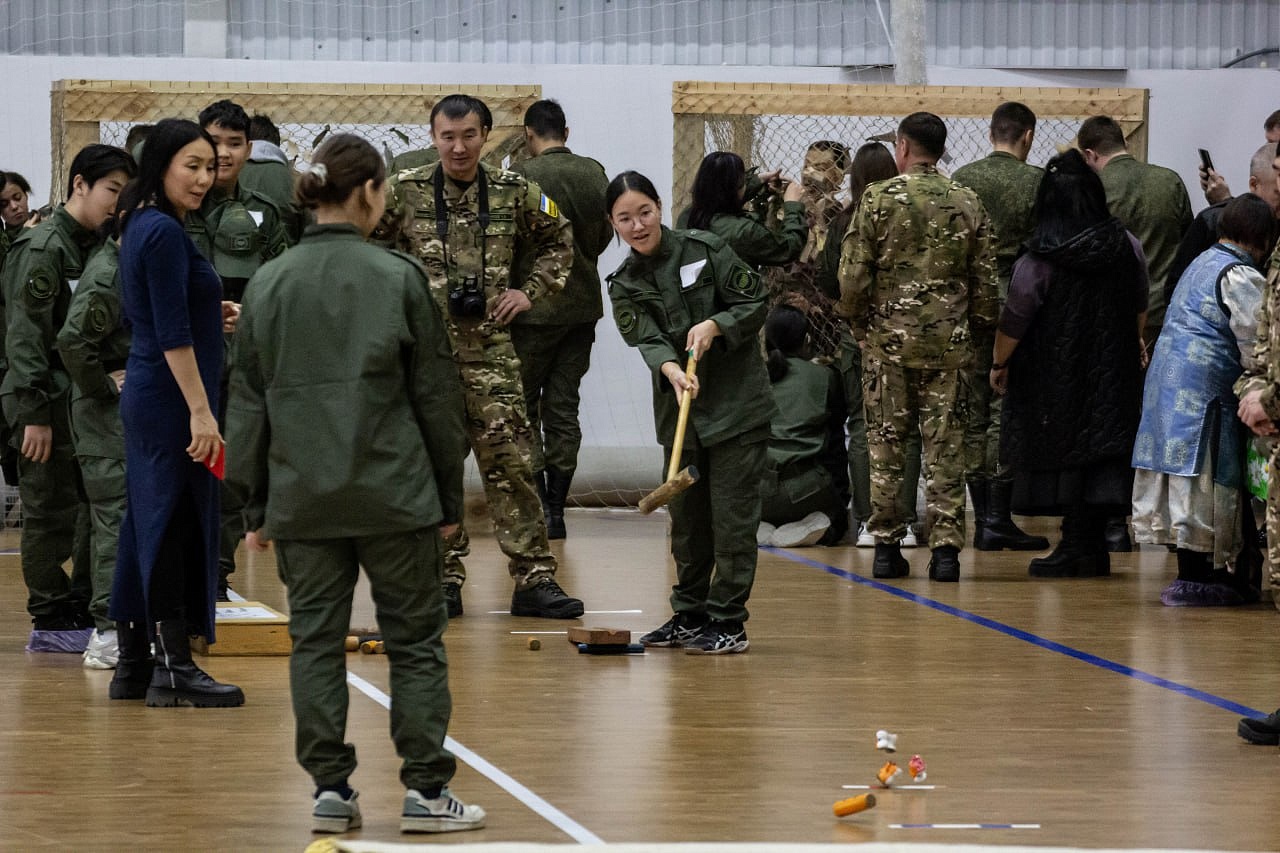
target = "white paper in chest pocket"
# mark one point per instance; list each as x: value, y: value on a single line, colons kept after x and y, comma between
x: 73, y: 284
x: 689, y: 273
x: 257, y: 217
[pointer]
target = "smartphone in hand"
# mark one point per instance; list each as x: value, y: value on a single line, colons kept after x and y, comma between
x: 1205, y: 160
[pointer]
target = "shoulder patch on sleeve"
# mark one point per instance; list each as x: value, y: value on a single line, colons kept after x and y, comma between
x: 548, y: 206
x: 41, y: 286
x: 99, y: 319
x: 626, y: 321
x: 744, y: 281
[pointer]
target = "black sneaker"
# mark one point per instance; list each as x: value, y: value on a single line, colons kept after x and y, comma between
x: 546, y: 600
x: 944, y: 565
x: 1264, y: 732
x: 889, y: 562
x: 452, y: 599
x: 678, y: 631
x: 719, y: 638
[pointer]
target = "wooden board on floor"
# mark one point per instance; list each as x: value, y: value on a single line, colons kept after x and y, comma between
x: 247, y: 628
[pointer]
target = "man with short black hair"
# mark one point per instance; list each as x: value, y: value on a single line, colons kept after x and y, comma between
x: 554, y: 337
x: 918, y: 285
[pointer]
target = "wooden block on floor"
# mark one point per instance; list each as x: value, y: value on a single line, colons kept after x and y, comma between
x: 599, y: 636
x: 247, y: 628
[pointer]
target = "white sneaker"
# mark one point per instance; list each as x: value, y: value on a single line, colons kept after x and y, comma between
x: 764, y: 533
x: 799, y: 534
x: 331, y: 813
x: 865, y: 539
x: 103, y: 650
x: 446, y: 813
x: 909, y: 540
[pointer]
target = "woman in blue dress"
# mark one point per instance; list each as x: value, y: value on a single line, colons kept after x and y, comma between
x: 167, y: 569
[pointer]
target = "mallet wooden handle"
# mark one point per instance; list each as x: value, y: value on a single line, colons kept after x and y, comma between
x: 686, y: 399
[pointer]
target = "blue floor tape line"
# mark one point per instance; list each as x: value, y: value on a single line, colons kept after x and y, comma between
x: 1027, y: 637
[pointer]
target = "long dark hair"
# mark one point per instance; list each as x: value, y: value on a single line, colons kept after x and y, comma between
x: 166, y: 139
x: 872, y: 162
x: 1071, y: 199
x: 716, y: 187
x: 785, y: 330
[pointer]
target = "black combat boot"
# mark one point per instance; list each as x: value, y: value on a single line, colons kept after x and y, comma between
x: 1082, y: 551
x: 889, y: 562
x: 944, y: 565
x: 557, y: 493
x: 178, y: 681
x: 978, y: 490
x: 1117, y: 535
x: 996, y: 530
x: 133, y: 670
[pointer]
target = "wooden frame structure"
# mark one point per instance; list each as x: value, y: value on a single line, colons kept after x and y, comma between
x: 79, y: 107
x: 693, y: 103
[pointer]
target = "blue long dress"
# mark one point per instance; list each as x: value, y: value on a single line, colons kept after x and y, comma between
x: 172, y: 298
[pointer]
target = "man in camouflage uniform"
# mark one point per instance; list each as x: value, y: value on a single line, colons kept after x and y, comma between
x: 468, y: 222
x: 918, y: 284
x: 1152, y: 204
x: 1006, y: 184
x: 94, y: 344
x: 554, y: 337
x: 238, y: 230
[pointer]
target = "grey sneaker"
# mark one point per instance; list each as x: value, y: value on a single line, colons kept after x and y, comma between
x: 334, y: 814
x: 676, y: 632
x: 798, y: 534
x: 445, y: 813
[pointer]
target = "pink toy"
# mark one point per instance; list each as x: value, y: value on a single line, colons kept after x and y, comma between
x: 916, y: 766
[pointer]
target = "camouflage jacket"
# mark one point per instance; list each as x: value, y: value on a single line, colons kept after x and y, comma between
x: 1263, y: 374
x: 578, y: 185
x: 917, y: 271
x: 94, y: 342
x: 1152, y: 204
x: 522, y: 221
x: 1007, y: 188
x: 38, y: 281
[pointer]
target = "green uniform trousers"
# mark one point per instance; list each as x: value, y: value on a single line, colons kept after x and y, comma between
x: 104, y: 485
x: 713, y: 526
x: 982, y: 431
x: 796, y: 491
x: 55, y: 526
x: 499, y: 434
x: 850, y: 367
x: 897, y: 397
x: 553, y: 360
x: 404, y: 579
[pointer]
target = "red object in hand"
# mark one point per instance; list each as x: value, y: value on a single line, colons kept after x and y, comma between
x: 218, y: 467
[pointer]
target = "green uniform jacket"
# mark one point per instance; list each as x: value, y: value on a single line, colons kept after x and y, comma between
x: 345, y: 414
x: 237, y: 233
x: 917, y: 271
x: 274, y: 180
x: 521, y: 221
x: 754, y: 241
x: 809, y: 424
x: 93, y: 343
x: 695, y: 276
x: 37, y: 285
x: 1152, y: 203
x: 1007, y: 188
x: 577, y: 184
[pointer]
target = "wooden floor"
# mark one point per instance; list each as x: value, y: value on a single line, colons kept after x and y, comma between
x: 985, y: 679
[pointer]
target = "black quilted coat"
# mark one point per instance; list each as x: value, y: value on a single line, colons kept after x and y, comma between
x: 1075, y: 383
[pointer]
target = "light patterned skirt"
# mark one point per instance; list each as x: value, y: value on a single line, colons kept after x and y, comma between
x: 1188, y: 512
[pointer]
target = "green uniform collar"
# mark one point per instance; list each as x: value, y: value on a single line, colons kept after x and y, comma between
x: 644, y: 264
x: 215, y: 196
x: 332, y: 231
x: 922, y: 169
x: 557, y: 149
x: 67, y: 224
x: 1004, y: 154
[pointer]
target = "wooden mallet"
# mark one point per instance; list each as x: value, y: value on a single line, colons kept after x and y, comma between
x: 677, y: 481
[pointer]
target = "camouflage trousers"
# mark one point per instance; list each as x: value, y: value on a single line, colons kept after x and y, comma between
x: 499, y: 434
x: 896, y: 397
x: 1273, y: 522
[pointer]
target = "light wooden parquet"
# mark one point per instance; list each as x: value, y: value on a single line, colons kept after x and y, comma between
x: 670, y: 747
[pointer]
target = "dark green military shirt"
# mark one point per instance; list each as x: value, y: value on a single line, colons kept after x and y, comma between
x: 1152, y: 204
x: 237, y: 232
x: 1007, y: 187
x: 40, y: 274
x: 917, y: 271
x: 345, y: 415
x: 751, y: 238
x: 523, y: 222
x: 810, y: 416
x: 577, y: 185
x: 275, y: 179
x: 93, y: 343
x: 694, y: 276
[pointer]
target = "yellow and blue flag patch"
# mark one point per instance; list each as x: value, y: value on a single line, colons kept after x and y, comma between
x: 549, y: 207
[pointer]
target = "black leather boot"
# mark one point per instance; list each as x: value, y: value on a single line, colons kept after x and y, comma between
x: 978, y: 497
x: 944, y: 565
x: 1117, y: 535
x: 997, y: 530
x: 557, y: 493
x: 1081, y: 553
x: 178, y: 681
x: 133, y: 670
x: 889, y: 562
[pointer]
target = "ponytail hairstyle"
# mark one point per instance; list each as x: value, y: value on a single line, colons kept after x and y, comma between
x: 342, y: 165
x: 786, y: 331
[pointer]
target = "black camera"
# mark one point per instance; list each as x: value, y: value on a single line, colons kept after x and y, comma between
x: 467, y: 300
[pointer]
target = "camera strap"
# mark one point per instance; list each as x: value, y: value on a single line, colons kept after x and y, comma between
x: 442, y: 215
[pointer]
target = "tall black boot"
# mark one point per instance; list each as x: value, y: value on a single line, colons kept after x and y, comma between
x: 178, y: 681
x: 978, y: 490
x: 1116, y: 531
x: 1075, y: 555
x: 134, y: 668
x: 997, y: 530
x: 557, y: 493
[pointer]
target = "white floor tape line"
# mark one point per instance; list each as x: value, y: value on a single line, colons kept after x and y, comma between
x: 537, y: 804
